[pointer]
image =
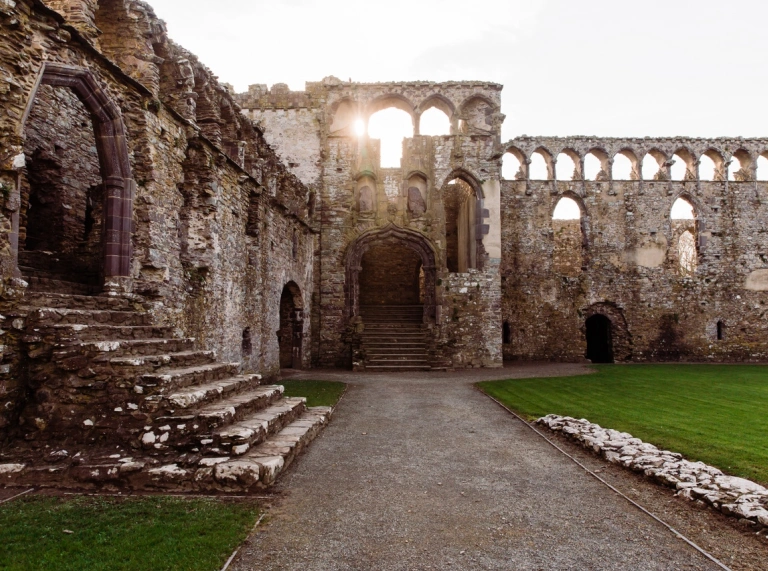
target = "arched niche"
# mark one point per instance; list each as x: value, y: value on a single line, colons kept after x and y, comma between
x: 366, y: 193
x: 393, y: 235
x: 416, y: 194
x: 344, y: 116
x: 290, y: 335
x: 476, y: 116
x: 114, y: 163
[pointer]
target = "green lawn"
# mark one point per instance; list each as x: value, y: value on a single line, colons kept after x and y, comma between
x: 142, y: 533
x: 318, y: 393
x: 714, y: 413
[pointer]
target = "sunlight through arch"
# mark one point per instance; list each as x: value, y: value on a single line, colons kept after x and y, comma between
x: 434, y: 123
x: 390, y: 126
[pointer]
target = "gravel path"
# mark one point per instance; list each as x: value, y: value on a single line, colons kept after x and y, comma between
x: 421, y: 471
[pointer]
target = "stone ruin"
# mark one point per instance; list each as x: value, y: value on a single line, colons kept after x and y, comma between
x: 167, y: 246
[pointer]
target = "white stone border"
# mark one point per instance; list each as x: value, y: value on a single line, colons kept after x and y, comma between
x: 695, y: 481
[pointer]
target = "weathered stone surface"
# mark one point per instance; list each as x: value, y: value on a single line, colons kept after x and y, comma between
x: 731, y: 495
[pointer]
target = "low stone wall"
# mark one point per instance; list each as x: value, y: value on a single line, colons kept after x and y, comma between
x: 694, y: 481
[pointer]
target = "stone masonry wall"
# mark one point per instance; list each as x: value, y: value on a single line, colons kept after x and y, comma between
x: 220, y: 225
x: 343, y: 216
x: 631, y: 254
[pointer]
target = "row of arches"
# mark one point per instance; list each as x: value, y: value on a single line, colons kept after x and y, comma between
x: 568, y: 221
x: 391, y: 120
x: 597, y: 165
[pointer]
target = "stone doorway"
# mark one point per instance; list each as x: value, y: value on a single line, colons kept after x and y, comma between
x: 390, y: 275
x: 599, y: 339
x: 72, y: 231
x: 62, y: 195
x: 391, y: 266
x: 290, y: 335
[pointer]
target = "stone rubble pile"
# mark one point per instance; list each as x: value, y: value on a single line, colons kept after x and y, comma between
x: 695, y: 481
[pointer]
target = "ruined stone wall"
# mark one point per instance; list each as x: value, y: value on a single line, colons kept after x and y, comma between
x: 358, y: 197
x: 218, y: 223
x: 630, y: 258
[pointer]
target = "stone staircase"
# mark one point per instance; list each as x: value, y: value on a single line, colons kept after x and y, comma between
x: 122, y: 403
x: 394, y: 338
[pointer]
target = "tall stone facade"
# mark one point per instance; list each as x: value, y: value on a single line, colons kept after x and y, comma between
x: 438, y: 213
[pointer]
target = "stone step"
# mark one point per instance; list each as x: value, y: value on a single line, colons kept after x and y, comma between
x: 392, y: 333
x: 72, y: 333
x: 401, y: 326
x: 191, y: 430
x: 125, y: 347
x: 200, y: 395
x: 61, y: 300
x: 397, y: 368
x: 169, y: 382
x: 137, y: 364
x: 417, y: 361
x: 255, y: 470
x: 384, y: 345
x: 232, y: 409
x: 372, y: 354
x: 237, y: 439
x: 55, y: 315
x: 37, y: 283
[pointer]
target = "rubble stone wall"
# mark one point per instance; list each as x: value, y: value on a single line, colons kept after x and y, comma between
x: 314, y: 131
x: 218, y: 223
x: 630, y: 253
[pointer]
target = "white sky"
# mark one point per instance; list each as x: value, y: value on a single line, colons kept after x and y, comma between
x: 569, y: 67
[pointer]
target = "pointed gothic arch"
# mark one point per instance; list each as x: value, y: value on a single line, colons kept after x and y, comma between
x: 114, y: 164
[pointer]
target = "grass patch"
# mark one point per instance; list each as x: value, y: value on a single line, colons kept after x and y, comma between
x: 318, y: 393
x: 141, y: 533
x: 714, y: 413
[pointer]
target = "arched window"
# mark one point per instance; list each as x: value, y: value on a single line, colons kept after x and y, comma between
x: 567, y: 167
x: 390, y: 126
x: 511, y: 167
x: 683, y: 167
x: 762, y: 168
x: 567, y: 255
x: 434, y: 122
x: 596, y: 165
x: 625, y: 166
x: 739, y: 169
x: 707, y: 168
x: 683, y: 220
x: 652, y: 167
x: 592, y: 167
x: 460, y: 202
x: 541, y: 166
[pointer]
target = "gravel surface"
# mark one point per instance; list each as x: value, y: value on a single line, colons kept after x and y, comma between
x: 422, y: 471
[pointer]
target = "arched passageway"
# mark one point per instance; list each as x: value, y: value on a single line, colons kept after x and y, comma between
x: 391, y: 266
x: 599, y: 339
x: 290, y: 335
x: 390, y: 276
x: 74, y: 224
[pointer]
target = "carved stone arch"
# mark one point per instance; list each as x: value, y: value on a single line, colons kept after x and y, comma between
x: 717, y: 156
x: 387, y: 101
x: 634, y: 160
x: 114, y: 163
x: 440, y: 102
x: 410, y: 238
x: 522, y: 173
x: 662, y: 160
x: 549, y: 160
x: 464, y: 115
x: 621, y: 336
x: 578, y: 163
x: 584, y: 221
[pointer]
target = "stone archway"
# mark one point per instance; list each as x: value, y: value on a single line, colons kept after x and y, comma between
x: 290, y: 336
x: 605, y: 318
x: 114, y: 165
x: 398, y: 237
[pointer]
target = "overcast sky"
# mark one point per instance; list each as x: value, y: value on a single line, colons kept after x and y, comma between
x: 569, y: 67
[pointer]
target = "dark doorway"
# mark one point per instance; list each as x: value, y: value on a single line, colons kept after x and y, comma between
x: 599, y: 342
x: 290, y: 334
x: 391, y: 274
